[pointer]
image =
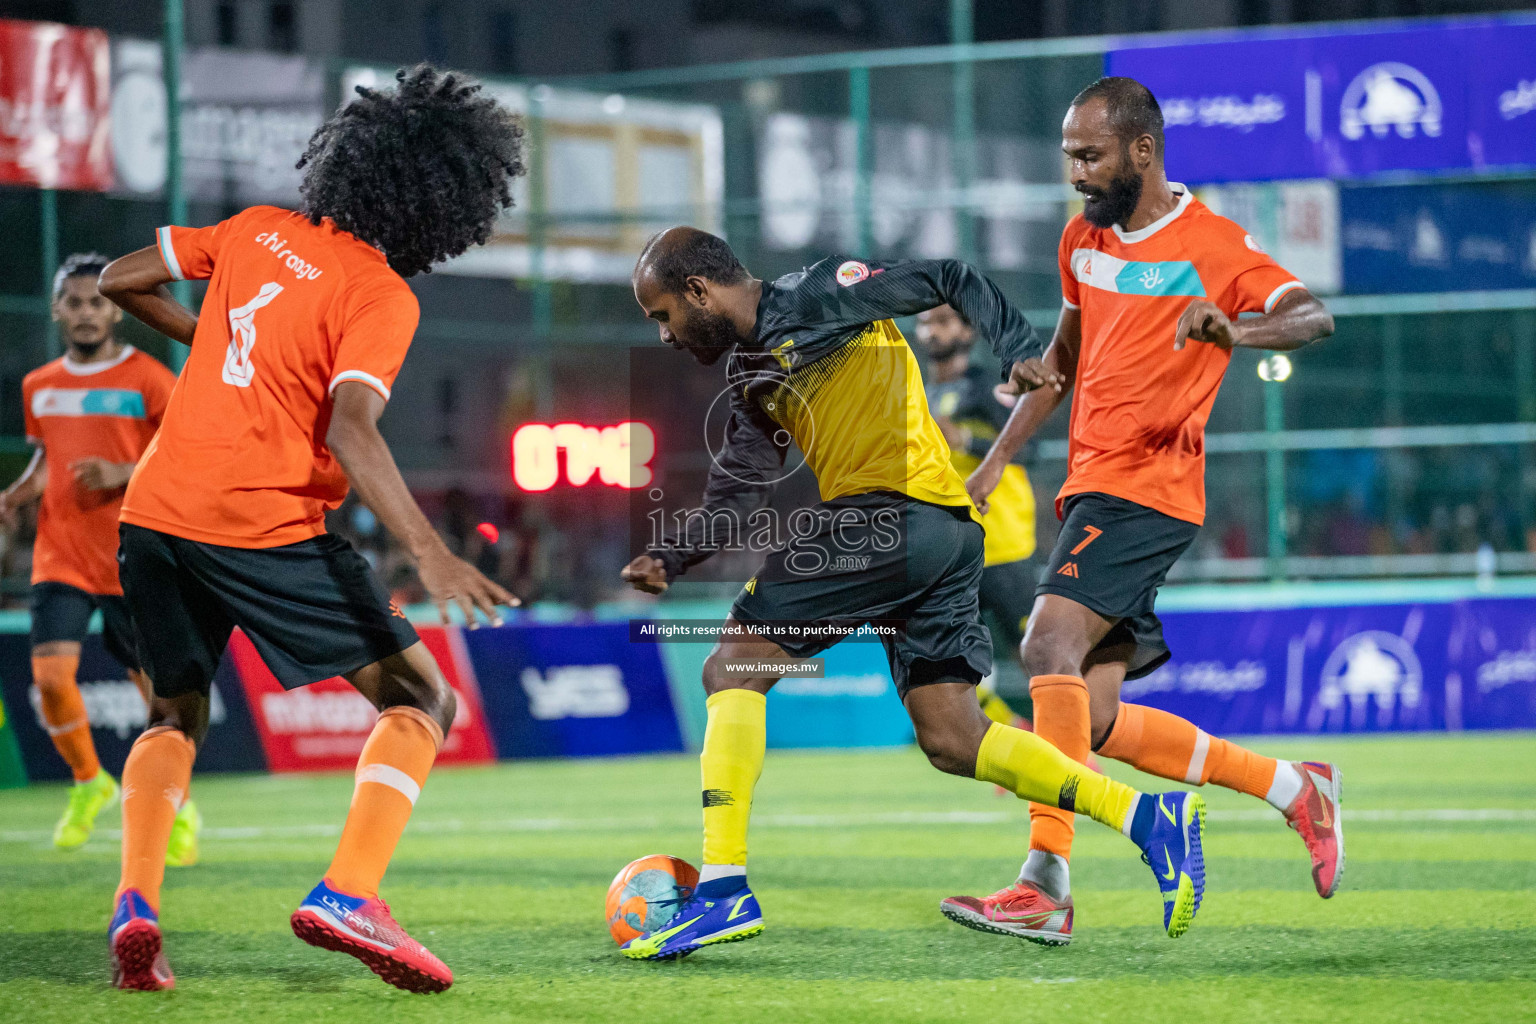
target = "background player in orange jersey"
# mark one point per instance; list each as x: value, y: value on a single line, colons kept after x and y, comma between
x: 1145, y: 269
x: 91, y: 414
x: 300, y: 336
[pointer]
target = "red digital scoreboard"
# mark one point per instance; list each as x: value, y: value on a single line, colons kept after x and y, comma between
x: 544, y: 454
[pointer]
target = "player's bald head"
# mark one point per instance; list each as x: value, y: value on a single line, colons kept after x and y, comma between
x: 676, y: 254
x: 1130, y: 109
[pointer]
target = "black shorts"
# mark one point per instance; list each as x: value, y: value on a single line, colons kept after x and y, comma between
x: 1111, y: 556
x: 888, y: 558
x: 61, y: 612
x: 312, y: 609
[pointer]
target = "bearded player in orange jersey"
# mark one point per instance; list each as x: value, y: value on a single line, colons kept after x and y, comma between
x: 1153, y: 284
x: 91, y: 414
x: 304, y: 327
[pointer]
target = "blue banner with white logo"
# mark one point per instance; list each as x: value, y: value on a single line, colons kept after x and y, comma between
x: 854, y: 704
x: 1467, y: 664
x: 1437, y: 238
x: 1344, y: 105
x: 573, y: 690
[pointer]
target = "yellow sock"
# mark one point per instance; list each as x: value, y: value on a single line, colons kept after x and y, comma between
x: 1027, y: 765
x: 734, y: 742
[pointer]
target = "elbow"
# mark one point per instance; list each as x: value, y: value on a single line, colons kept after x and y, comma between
x: 1324, y: 324
x: 113, y: 283
x: 341, y: 438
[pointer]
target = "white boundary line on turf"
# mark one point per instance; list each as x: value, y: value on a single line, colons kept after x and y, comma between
x: 427, y: 827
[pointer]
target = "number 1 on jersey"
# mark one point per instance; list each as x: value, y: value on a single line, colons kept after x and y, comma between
x: 238, y: 368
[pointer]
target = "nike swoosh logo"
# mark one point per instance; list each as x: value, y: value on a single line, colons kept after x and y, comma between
x: 664, y: 936
x: 1170, y: 873
x: 737, y: 910
x: 1166, y: 812
x: 1322, y: 785
x: 1030, y: 917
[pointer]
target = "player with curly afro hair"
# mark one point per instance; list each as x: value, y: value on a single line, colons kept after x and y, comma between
x: 420, y: 172
x: 295, y: 352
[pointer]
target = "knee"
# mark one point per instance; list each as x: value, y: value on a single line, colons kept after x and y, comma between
x: 427, y: 692
x: 716, y: 678
x: 1048, y: 651
x: 949, y: 749
x: 439, y: 701
x: 187, y: 714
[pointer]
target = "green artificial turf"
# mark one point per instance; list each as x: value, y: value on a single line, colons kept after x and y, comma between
x: 503, y: 872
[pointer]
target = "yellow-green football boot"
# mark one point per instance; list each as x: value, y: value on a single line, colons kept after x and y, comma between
x: 182, y: 849
x: 86, y: 800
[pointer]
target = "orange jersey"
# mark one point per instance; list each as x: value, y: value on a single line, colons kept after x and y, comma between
x: 293, y: 309
x: 74, y: 411
x: 1140, y: 408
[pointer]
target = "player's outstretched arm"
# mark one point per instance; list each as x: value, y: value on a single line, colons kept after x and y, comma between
x: 1297, y: 320
x: 27, y: 488
x: 1033, y: 409
x: 903, y: 287
x: 355, y: 440
x: 137, y: 283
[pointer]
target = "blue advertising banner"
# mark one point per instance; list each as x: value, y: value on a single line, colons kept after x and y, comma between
x: 1443, y: 237
x: 854, y: 704
x: 1373, y: 668
x: 578, y: 690
x: 1342, y: 105
x: 117, y: 713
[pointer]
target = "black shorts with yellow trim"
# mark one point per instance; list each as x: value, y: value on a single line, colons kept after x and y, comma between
x: 886, y: 558
x: 1111, y: 556
x: 312, y: 609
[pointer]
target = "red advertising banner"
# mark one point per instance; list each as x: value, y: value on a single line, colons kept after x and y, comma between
x: 55, y: 104
x: 324, y: 725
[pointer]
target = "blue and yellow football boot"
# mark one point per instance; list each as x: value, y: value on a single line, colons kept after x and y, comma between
x: 1172, y: 849
x: 706, y: 918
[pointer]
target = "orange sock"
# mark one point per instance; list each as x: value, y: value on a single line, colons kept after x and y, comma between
x: 1168, y: 746
x: 64, y: 712
x: 147, y: 691
x: 1061, y: 716
x: 394, y: 764
x: 156, y: 777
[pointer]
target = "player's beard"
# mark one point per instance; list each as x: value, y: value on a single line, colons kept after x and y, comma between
x: 89, y: 348
x: 710, y: 335
x: 1113, y: 205
x: 941, y: 352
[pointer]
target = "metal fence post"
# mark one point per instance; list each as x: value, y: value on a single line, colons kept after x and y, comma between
x: 863, y: 163
x: 1274, y: 477
x: 963, y: 130
x: 175, y: 191
x: 48, y: 201
x: 538, y: 228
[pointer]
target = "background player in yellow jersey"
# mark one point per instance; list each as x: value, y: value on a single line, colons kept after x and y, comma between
x: 970, y: 408
x: 91, y: 414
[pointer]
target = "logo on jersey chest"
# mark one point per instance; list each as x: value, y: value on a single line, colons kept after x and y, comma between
x: 121, y: 402
x: 1135, y: 277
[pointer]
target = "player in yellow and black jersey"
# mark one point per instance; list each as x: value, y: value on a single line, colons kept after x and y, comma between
x: 970, y: 408
x: 815, y: 360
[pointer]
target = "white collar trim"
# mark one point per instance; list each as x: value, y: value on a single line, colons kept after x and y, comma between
x: 86, y: 369
x: 1142, y: 234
